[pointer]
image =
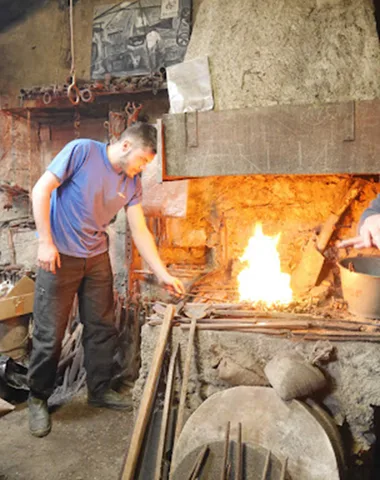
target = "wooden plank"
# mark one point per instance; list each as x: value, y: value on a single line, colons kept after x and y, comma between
x: 286, y: 139
x: 5, y: 407
x: 15, y: 306
x: 147, y: 398
x: 24, y: 285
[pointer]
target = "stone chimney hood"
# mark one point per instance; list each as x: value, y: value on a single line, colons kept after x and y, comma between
x: 296, y: 88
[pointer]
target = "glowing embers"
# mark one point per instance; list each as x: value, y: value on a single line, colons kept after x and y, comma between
x: 262, y: 279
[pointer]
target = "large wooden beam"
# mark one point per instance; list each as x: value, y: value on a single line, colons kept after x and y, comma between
x: 288, y: 139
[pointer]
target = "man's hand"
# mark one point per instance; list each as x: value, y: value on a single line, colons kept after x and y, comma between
x: 173, y: 284
x: 369, y: 235
x: 48, y: 257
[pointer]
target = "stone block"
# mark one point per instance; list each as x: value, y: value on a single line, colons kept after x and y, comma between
x: 5, y: 250
x: 26, y: 246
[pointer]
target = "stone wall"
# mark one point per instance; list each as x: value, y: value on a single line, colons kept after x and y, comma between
x: 353, y: 374
x: 36, y: 51
x: 19, y: 167
x: 288, y: 52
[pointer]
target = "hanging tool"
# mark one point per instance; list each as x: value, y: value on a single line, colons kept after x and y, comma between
x: 132, y: 110
x: 73, y: 90
x: 77, y: 123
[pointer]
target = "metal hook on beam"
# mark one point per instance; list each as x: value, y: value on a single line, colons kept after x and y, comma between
x: 73, y: 92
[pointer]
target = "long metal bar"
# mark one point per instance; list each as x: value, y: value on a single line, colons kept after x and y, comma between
x: 185, y: 379
x: 226, y: 450
x: 239, y: 456
x: 199, y: 462
x: 266, y: 466
x: 283, y: 469
x: 165, y: 413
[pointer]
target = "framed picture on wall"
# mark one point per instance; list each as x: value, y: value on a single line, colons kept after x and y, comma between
x: 139, y: 37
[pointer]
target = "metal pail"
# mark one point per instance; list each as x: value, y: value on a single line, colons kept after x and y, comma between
x: 360, y: 278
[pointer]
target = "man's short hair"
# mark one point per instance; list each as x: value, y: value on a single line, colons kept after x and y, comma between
x: 141, y: 134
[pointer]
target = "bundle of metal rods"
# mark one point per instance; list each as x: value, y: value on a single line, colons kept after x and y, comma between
x: 243, y: 318
x: 71, y: 374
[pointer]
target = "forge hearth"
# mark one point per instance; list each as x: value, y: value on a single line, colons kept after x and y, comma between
x: 352, y: 371
x: 234, y: 339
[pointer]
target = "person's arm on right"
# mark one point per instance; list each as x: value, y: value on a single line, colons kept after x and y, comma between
x: 369, y: 228
x: 48, y: 256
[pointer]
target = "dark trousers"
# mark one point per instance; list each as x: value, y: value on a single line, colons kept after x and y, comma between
x: 92, y: 279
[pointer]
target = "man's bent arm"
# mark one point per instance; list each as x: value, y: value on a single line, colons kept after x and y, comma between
x: 144, y: 241
x: 372, y: 209
x: 368, y: 229
x: 148, y: 250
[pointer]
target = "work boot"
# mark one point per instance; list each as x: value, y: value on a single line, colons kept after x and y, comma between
x: 109, y: 399
x: 39, y: 418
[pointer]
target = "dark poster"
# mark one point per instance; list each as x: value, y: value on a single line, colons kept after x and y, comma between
x: 139, y: 37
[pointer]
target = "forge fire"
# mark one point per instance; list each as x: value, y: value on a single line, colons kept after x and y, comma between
x: 262, y: 280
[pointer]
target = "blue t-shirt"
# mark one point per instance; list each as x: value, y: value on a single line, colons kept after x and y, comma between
x: 90, y: 195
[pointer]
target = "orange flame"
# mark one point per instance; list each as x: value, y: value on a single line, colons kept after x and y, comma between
x: 262, y: 280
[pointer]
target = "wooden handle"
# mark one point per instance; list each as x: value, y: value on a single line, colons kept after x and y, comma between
x: 330, y: 224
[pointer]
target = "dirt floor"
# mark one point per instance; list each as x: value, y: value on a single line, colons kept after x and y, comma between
x: 86, y: 443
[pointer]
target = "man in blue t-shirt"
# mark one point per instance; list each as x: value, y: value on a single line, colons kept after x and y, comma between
x: 74, y: 201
